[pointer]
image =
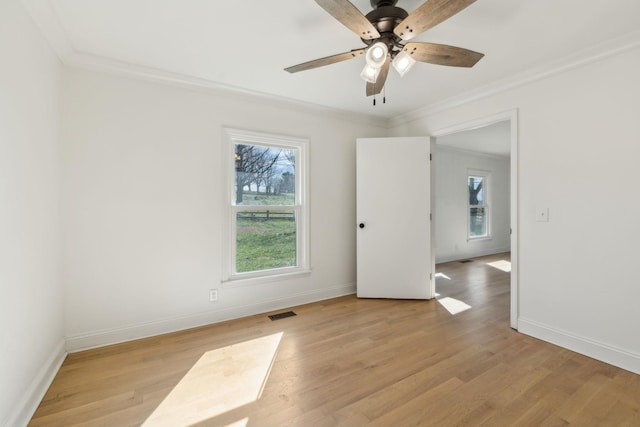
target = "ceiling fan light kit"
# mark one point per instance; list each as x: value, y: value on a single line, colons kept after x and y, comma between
x: 369, y: 73
x: 376, y: 54
x: 402, y: 63
x: 374, y: 60
x: 385, y: 31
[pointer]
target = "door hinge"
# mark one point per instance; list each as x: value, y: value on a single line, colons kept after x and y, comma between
x: 430, y: 156
x: 430, y: 217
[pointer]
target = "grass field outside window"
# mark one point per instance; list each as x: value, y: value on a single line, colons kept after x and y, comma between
x: 268, y: 230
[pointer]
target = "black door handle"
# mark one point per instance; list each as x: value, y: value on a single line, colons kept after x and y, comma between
x: 362, y: 225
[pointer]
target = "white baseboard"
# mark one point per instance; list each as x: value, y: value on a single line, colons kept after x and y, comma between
x: 24, y: 409
x: 474, y: 254
x: 148, y: 329
x: 597, y: 350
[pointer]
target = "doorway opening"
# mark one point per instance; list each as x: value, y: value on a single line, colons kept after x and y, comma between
x: 474, y: 188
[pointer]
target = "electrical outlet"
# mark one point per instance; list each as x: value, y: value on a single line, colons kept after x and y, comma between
x: 213, y: 295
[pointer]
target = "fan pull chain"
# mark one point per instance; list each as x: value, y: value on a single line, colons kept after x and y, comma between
x: 384, y: 96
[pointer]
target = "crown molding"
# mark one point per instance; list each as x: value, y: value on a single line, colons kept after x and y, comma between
x: 457, y: 150
x: 44, y: 15
x: 46, y: 19
x: 86, y: 61
x: 587, y: 56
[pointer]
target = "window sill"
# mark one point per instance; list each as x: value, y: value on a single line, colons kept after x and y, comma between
x: 249, y: 280
x: 479, y: 239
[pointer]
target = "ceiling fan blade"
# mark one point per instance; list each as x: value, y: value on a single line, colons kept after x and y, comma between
x: 442, y: 54
x: 325, y: 61
x: 376, y: 88
x: 349, y: 15
x: 430, y: 14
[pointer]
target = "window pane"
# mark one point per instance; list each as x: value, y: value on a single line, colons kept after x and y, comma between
x: 265, y: 240
x: 265, y: 176
x: 476, y: 190
x: 477, y: 222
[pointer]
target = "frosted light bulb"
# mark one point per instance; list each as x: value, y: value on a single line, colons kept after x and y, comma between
x: 403, y: 63
x: 369, y: 73
x: 377, y: 55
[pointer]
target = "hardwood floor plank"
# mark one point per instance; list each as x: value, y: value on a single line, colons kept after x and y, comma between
x: 349, y: 362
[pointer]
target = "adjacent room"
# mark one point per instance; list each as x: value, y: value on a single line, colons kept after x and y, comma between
x: 171, y: 177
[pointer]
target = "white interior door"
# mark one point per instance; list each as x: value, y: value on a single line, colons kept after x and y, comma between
x: 394, y: 253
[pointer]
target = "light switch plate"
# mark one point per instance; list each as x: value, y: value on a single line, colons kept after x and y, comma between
x: 542, y: 214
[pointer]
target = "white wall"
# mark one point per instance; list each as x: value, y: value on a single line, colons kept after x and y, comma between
x: 451, y: 203
x: 143, y: 206
x: 31, y: 315
x: 579, y: 145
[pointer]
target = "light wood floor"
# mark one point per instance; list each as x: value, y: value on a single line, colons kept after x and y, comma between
x: 350, y: 362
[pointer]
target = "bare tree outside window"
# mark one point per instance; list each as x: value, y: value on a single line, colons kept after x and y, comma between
x: 478, y: 209
x: 265, y: 238
x: 267, y: 215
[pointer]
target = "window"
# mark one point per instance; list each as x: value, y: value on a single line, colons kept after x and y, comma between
x: 478, y: 208
x: 266, y: 205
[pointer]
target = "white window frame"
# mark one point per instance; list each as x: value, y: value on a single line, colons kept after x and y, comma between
x: 486, y: 176
x: 300, y: 206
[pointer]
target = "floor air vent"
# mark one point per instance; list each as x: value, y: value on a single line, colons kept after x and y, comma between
x: 465, y: 261
x: 281, y: 315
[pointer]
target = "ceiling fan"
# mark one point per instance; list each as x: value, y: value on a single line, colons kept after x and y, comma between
x: 385, y: 32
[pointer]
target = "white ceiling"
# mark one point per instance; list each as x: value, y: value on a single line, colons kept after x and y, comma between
x: 492, y: 139
x: 245, y: 45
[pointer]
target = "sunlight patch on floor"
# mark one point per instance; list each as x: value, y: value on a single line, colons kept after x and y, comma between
x: 220, y: 381
x: 241, y: 423
x: 442, y: 275
x: 503, y: 265
x: 453, y: 305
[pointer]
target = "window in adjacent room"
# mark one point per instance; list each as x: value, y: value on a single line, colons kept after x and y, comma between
x: 266, y: 205
x: 478, y: 208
